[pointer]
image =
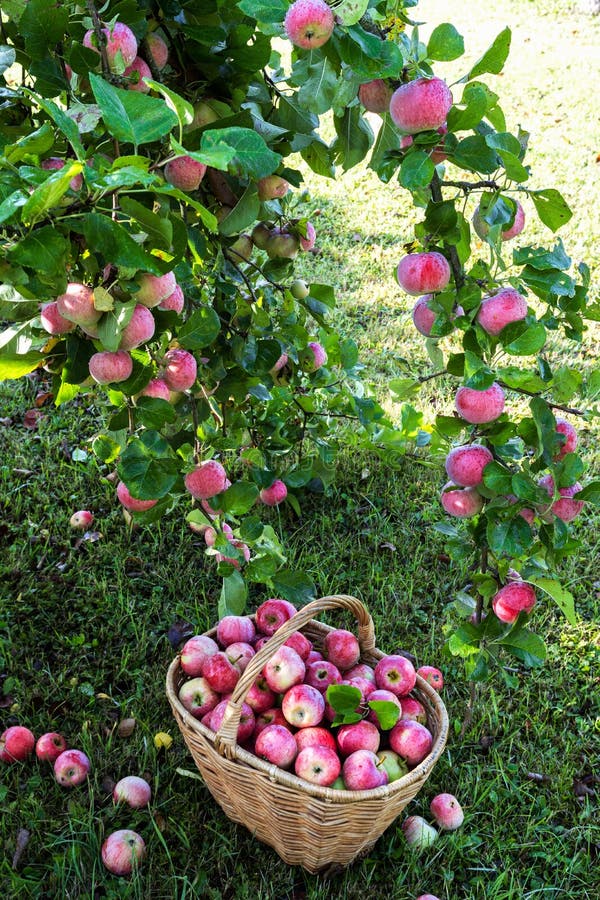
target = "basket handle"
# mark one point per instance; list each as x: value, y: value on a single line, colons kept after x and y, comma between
x: 225, y: 738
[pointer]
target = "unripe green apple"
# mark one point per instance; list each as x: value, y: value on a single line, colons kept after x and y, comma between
x: 282, y: 246
x: 242, y: 248
x: 261, y: 235
x: 299, y: 289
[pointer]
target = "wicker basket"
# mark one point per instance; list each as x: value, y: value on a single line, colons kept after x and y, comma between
x: 308, y: 825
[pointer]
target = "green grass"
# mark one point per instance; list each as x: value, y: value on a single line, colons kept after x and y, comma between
x: 84, y: 625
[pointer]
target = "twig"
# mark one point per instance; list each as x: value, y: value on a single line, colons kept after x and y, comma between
x: 567, y: 409
x: 457, y: 269
x: 468, y: 186
x: 275, y: 284
x: 423, y: 378
x: 100, y: 37
x: 245, y: 278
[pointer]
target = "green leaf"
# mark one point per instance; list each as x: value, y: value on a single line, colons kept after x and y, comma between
x: 349, y: 12
x: 49, y: 194
x: 551, y: 207
x: 212, y: 152
x: 38, y: 141
x: 232, y: 600
x: 252, y: 158
x: 148, y: 467
x: 294, y: 586
x: 270, y: 11
x: 545, y: 424
x: 318, y: 81
x: 43, y: 25
x: 475, y: 101
x: 131, y: 116
x: 417, y: 170
x: 494, y: 58
x: 244, y: 213
x: 344, y: 698
x: 318, y: 156
x: 509, y: 536
x: 7, y: 56
x: 239, y: 498
x: 387, y: 713
x: 465, y: 641
x: 66, y: 125
x: 44, y: 250
x: 201, y: 329
x: 523, y: 338
x: 542, y: 258
x: 182, y: 108
x: 516, y: 378
x: 445, y: 43
x: 158, y: 228
x: 562, y: 597
x: 16, y: 366
x: 474, y: 155
x: 590, y: 493
x: 354, y: 138
x: 153, y: 412
x: 497, y: 478
x: 113, y: 241
x: 525, y: 645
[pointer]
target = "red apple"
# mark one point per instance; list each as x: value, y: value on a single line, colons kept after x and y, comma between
x: 342, y: 649
x: 365, y: 686
x: 362, y: 771
x: 413, y: 709
x: 235, y: 628
x: 321, y: 674
x: 447, y: 812
x: 396, y: 674
x: 301, y: 644
x: 272, y: 614
x: 411, y: 740
x: 284, y: 670
x: 272, y: 716
x: 71, y: 768
x: 198, y: 696
x: 134, y: 791
x: 432, y: 676
x: 313, y: 656
x: 50, y: 745
x: 16, y: 744
x: 222, y: 675
x: 318, y: 765
x: 195, y: 652
x: 303, y: 706
x: 418, y: 832
x: 358, y: 736
x: 240, y: 654
x: 315, y: 737
x: 362, y: 670
x: 260, y: 697
x: 122, y: 851
x: 247, y: 721
x: 277, y: 745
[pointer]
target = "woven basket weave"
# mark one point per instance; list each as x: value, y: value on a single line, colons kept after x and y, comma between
x: 308, y: 825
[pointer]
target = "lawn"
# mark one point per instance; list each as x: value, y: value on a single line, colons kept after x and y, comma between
x: 88, y: 628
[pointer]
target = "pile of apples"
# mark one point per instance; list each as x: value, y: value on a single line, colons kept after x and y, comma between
x: 291, y: 716
x: 122, y: 850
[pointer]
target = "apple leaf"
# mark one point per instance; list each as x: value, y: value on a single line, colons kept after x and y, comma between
x: 344, y: 699
x: 387, y: 713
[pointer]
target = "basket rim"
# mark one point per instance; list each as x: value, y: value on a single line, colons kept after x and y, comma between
x: 281, y: 776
